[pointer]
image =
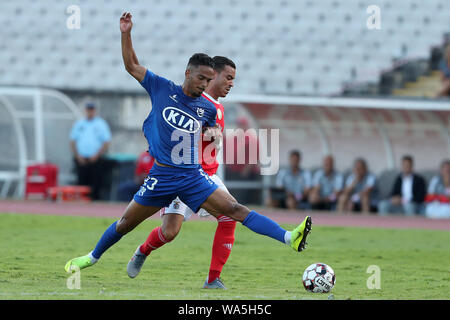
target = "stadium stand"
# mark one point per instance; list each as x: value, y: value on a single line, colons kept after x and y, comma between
x: 284, y: 49
x: 425, y: 86
x: 286, y: 46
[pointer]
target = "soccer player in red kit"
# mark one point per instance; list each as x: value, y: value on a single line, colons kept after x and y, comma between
x: 174, y: 215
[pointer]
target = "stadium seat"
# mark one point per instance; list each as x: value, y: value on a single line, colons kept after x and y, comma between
x: 251, y: 31
x: 385, y: 182
x: 69, y: 193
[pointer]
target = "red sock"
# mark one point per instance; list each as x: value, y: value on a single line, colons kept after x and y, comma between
x: 154, y: 241
x: 221, y: 249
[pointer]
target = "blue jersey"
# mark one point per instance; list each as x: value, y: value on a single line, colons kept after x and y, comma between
x: 174, y: 125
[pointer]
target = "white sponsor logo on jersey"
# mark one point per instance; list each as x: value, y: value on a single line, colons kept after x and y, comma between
x: 180, y: 120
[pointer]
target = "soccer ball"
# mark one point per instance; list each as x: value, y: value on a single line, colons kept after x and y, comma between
x: 319, y: 278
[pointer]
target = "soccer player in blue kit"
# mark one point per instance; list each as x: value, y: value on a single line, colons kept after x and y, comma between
x: 180, y: 113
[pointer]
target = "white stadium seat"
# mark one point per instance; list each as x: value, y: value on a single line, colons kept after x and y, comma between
x: 320, y: 45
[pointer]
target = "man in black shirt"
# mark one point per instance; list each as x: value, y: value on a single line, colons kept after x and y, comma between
x: 408, y: 192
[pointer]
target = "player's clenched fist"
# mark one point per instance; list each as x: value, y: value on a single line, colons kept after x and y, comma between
x: 125, y: 22
x: 213, y: 133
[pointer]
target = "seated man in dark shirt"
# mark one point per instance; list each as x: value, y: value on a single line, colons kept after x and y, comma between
x: 408, y: 192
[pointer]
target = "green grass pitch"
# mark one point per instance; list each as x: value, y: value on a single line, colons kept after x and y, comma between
x: 414, y: 264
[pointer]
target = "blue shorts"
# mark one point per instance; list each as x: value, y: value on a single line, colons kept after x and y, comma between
x: 164, y: 184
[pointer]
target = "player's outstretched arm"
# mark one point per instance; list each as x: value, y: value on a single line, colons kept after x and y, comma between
x: 130, y: 59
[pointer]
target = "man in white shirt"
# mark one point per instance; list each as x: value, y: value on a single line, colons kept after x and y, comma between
x: 438, y: 205
x: 408, y: 192
x: 440, y: 184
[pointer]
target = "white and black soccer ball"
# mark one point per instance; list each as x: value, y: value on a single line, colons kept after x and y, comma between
x: 319, y: 278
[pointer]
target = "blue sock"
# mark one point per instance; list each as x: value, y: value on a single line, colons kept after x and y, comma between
x: 108, y: 238
x: 265, y: 226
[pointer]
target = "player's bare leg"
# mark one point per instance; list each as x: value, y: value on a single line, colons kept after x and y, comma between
x: 134, y: 214
x: 169, y: 229
x: 221, y: 202
x: 171, y: 225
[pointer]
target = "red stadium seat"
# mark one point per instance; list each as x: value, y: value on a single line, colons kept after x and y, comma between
x: 39, y: 178
x: 69, y: 193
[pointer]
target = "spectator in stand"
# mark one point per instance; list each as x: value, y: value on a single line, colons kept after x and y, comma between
x: 360, y: 191
x: 292, y: 185
x: 408, y: 192
x: 127, y: 189
x: 438, y: 198
x: 444, y: 67
x: 327, y: 186
x: 89, y: 140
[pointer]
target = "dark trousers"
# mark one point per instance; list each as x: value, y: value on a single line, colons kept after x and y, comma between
x: 126, y: 191
x: 90, y: 175
x: 324, y: 206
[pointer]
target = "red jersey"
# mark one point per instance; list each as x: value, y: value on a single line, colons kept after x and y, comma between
x: 144, y: 163
x: 209, y: 159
